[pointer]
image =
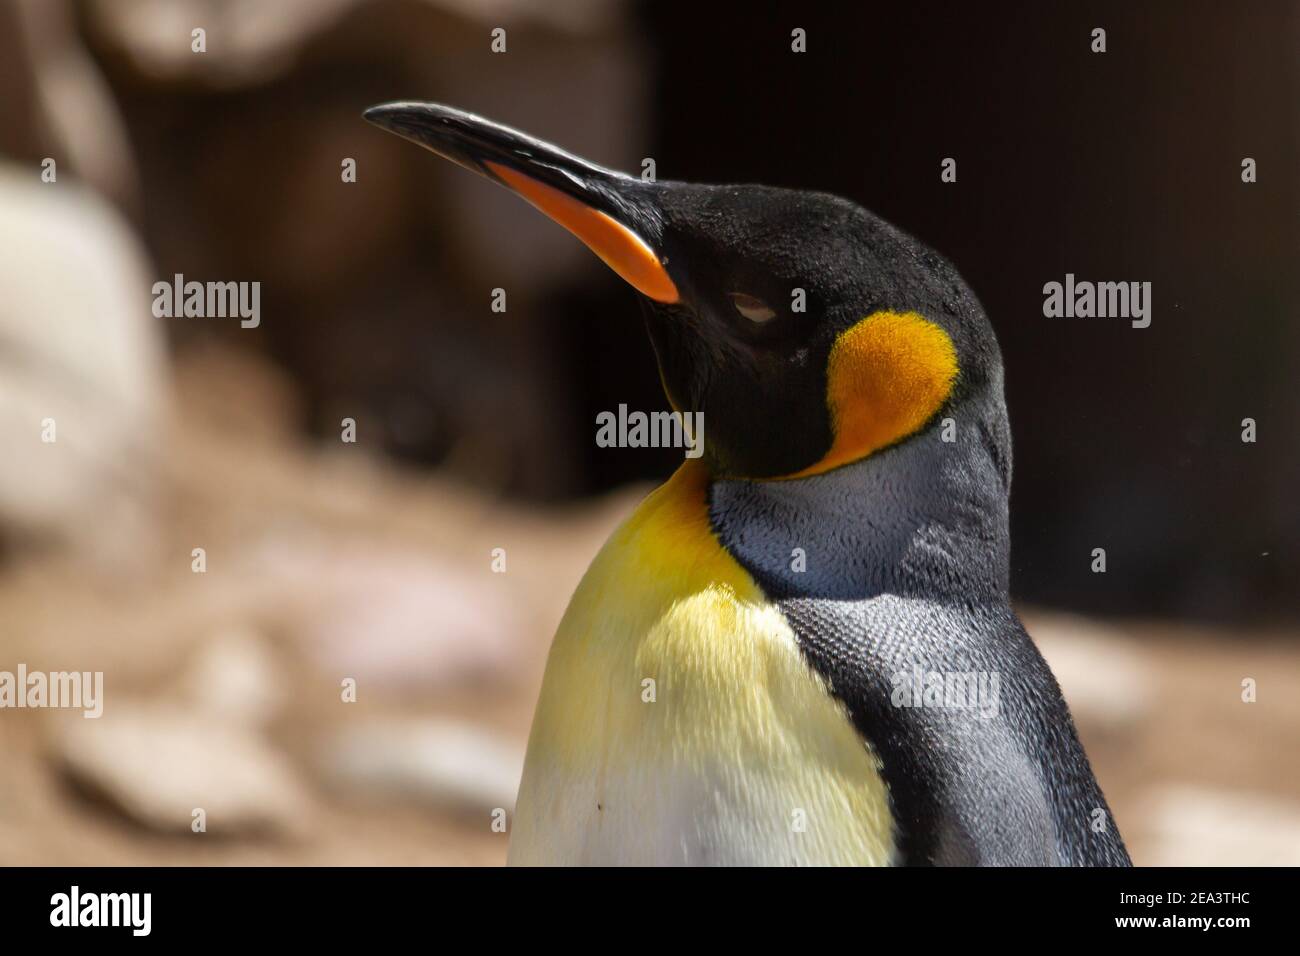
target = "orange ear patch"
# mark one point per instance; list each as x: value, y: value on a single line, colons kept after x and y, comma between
x: 886, y: 377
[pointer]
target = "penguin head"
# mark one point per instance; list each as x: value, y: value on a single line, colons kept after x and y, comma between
x: 809, y: 332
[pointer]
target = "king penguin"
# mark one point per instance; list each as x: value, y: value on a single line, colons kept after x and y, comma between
x: 800, y: 649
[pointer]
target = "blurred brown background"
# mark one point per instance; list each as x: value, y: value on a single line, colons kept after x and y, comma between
x: 371, y: 560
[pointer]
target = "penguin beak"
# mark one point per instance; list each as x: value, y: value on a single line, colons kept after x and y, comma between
x: 610, y: 212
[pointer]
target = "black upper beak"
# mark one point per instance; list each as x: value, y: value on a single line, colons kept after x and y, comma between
x: 470, y: 141
x: 612, y: 213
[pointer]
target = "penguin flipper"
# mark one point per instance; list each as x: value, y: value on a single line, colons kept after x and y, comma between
x: 1000, y: 780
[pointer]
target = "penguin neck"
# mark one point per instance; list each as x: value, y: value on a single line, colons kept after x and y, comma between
x: 925, y: 518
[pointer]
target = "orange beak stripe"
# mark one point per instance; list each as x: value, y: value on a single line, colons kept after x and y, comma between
x: 621, y: 249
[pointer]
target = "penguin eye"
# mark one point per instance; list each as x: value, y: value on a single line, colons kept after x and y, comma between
x: 756, y: 310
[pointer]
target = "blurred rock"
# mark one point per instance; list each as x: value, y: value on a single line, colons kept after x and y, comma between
x: 233, y: 680
x: 1198, y: 826
x: 1105, y: 679
x: 58, y: 104
x: 156, y: 764
x: 251, y: 41
x: 401, y: 619
x: 445, y: 763
x: 246, y: 40
x: 79, y: 348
